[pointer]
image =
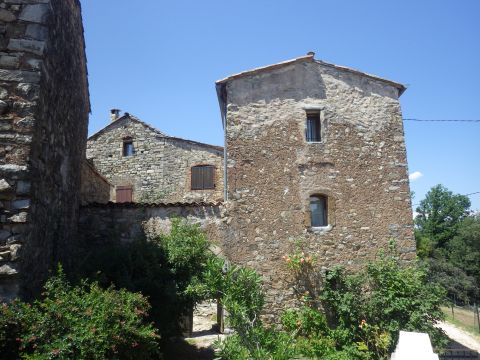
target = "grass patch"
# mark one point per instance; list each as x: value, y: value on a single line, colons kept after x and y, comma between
x: 463, y: 319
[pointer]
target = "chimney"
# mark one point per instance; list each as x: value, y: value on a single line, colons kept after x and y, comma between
x: 114, y: 114
x: 311, y: 53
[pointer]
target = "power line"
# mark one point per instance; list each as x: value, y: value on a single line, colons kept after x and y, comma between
x: 474, y: 193
x: 442, y: 120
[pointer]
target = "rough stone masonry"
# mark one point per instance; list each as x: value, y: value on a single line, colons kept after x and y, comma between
x: 44, y: 110
x: 279, y: 166
x: 159, y: 168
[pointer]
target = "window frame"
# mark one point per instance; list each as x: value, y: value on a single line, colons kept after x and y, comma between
x: 309, y: 115
x: 126, y: 143
x: 202, y: 187
x: 325, y: 211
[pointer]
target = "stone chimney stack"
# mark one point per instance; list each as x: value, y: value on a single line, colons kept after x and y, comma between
x: 114, y: 114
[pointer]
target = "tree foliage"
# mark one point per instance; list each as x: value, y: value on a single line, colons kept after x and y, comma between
x: 439, y: 216
x: 448, y: 240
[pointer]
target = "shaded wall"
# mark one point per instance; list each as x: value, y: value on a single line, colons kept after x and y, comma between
x: 43, y: 128
x: 94, y: 187
x: 126, y: 222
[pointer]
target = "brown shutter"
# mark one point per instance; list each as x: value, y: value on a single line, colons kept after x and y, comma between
x: 124, y: 194
x: 203, y: 177
x: 208, y: 177
x: 197, y: 178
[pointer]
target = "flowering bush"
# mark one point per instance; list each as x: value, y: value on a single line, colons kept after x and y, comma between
x: 298, y: 261
x: 82, y: 322
x: 371, y: 306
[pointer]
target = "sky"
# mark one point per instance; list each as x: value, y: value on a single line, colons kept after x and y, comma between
x: 159, y: 61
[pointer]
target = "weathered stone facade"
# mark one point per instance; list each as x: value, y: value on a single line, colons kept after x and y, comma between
x: 359, y: 165
x: 44, y: 110
x: 128, y: 222
x: 159, y: 170
x: 94, y: 188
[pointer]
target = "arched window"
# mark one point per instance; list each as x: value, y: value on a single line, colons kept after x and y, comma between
x: 318, y: 210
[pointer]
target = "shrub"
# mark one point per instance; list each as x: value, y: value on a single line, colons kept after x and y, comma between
x: 344, y: 315
x: 373, y: 305
x: 168, y: 269
x: 82, y: 322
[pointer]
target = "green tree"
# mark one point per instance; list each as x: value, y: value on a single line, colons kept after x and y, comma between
x: 438, y: 220
x: 464, y: 249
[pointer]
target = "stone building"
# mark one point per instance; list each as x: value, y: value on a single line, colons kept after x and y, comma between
x: 145, y: 165
x: 316, y: 154
x: 44, y: 106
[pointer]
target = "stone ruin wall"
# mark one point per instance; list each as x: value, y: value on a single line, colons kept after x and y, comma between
x: 159, y: 171
x: 44, y: 110
x: 360, y: 165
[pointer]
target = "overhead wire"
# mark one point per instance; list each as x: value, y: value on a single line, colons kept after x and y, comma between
x: 470, y: 194
x: 442, y: 120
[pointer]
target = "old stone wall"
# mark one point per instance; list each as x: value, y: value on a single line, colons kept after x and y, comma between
x: 160, y: 168
x: 44, y: 108
x: 359, y: 164
x: 94, y: 187
x: 127, y: 222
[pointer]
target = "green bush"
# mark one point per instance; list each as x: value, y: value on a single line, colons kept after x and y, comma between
x: 82, y: 322
x: 344, y: 315
x: 167, y: 269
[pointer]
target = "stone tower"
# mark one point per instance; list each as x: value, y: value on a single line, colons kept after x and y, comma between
x: 44, y: 107
x: 315, y: 153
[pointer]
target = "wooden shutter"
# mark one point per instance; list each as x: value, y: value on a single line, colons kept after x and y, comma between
x: 203, y: 177
x: 124, y: 194
x: 197, y: 178
x: 208, y: 177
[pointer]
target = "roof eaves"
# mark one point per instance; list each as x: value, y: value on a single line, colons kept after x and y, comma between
x: 216, y: 147
x: 152, y: 205
x: 131, y: 117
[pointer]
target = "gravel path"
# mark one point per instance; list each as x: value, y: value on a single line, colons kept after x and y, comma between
x: 460, y: 336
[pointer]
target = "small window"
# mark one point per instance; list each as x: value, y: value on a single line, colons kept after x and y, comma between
x: 124, y: 194
x: 318, y: 210
x: 203, y: 177
x: 313, y: 131
x: 128, y: 148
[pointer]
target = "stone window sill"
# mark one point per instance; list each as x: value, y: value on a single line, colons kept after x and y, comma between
x: 321, y: 229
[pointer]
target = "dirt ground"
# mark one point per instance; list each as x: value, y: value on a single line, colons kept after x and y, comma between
x: 460, y: 336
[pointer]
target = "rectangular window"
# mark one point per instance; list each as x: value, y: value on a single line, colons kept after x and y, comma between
x: 124, y: 194
x: 128, y: 148
x: 318, y: 210
x: 313, y: 131
x: 203, y: 177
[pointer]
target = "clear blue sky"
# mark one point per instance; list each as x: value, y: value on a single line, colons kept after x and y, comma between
x: 159, y: 60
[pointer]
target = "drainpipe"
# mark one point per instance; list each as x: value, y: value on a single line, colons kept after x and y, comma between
x: 222, y: 102
x: 225, y: 180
